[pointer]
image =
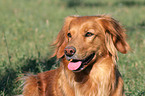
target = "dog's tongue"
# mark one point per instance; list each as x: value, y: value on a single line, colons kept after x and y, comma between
x: 74, y: 65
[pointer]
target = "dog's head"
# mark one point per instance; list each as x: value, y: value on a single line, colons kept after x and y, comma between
x: 84, y: 39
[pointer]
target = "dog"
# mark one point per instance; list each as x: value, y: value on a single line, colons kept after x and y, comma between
x: 87, y: 48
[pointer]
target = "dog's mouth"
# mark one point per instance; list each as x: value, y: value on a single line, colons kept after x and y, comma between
x: 78, y: 65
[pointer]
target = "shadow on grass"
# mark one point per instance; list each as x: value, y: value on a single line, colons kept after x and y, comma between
x: 142, y: 24
x: 75, y: 3
x: 129, y: 3
x: 38, y: 65
x: 141, y: 93
x: 8, y: 81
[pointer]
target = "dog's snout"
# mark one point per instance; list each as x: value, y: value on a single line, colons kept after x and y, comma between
x: 69, y: 51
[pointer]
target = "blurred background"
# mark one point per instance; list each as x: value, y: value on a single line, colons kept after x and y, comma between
x: 28, y: 27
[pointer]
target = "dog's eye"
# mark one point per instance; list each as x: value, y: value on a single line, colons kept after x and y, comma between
x: 88, y: 34
x: 69, y: 35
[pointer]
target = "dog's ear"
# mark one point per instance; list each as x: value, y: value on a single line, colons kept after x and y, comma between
x: 61, y: 40
x: 115, y: 35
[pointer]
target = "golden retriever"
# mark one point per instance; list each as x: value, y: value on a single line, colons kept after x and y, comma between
x: 87, y: 48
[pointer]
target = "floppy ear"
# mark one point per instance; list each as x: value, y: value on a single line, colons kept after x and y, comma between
x: 61, y: 41
x: 115, y: 35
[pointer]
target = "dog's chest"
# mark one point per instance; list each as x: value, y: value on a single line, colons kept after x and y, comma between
x: 92, y: 89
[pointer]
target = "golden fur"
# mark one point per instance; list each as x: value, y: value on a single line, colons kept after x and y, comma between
x: 100, y: 77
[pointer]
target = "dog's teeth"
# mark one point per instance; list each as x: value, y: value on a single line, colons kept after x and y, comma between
x: 71, y: 60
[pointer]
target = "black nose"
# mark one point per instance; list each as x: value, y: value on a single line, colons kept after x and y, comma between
x: 69, y: 51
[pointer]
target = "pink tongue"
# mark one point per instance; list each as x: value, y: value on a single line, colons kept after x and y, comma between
x: 74, y: 65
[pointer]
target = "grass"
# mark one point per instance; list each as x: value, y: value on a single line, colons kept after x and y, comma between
x: 28, y: 27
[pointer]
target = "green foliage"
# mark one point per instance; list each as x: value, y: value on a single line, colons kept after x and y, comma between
x: 28, y: 27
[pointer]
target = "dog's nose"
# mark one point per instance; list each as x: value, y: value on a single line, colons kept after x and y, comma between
x: 69, y: 51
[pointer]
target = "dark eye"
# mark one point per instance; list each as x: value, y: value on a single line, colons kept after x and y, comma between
x: 88, y: 34
x: 69, y: 35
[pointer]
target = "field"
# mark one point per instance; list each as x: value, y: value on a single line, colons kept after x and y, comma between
x: 28, y: 27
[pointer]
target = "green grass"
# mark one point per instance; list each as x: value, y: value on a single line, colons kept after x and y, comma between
x: 28, y: 27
